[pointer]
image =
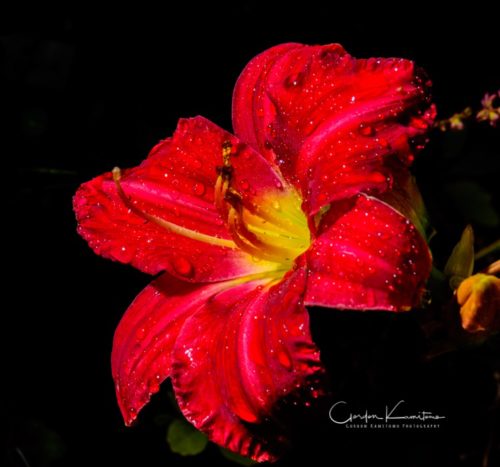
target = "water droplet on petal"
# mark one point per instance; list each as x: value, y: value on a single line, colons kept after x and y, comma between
x: 294, y: 80
x: 198, y: 189
x: 285, y: 359
x: 124, y: 254
x: 244, y: 184
x: 175, y: 186
x: 384, y: 144
x: 183, y: 267
x: 366, y: 129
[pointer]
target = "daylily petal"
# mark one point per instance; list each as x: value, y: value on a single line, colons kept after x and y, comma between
x: 367, y: 256
x: 162, y: 216
x: 405, y: 198
x: 336, y: 124
x: 252, y: 110
x: 248, y: 348
x: 144, y: 340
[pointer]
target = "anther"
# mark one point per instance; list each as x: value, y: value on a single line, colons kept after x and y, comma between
x: 227, y: 148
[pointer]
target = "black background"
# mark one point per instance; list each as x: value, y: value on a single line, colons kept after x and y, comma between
x: 83, y: 91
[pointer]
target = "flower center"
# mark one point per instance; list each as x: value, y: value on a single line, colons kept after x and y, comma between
x: 270, y: 226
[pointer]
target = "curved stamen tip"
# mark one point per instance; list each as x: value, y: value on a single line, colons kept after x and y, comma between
x: 117, y: 174
x: 227, y: 149
x: 170, y: 226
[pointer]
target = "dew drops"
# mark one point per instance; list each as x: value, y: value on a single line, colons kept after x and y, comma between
x: 366, y: 129
x: 183, y: 267
x: 124, y: 254
x: 276, y: 205
x: 294, y: 80
x: 384, y: 144
x: 285, y: 359
x: 198, y: 189
x: 197, y: 164
x: 244, y: 184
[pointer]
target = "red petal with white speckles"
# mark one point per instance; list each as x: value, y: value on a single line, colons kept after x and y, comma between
x: 245, y: 350
x: 367, y: 256
x: 252, y: 110
x: 336, y: 125
x: 174, y: 184
x: 143, y: 342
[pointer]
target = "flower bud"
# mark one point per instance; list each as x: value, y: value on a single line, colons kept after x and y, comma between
x: 479, y: 300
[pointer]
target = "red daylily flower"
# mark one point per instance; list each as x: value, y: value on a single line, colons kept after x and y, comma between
x: 297, y: 210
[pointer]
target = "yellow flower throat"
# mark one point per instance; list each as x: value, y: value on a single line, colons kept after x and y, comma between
x: 270, y: 227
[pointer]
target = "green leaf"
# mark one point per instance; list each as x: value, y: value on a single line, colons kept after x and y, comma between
x: 184, y: 439
x: 233, y: 457
x: 473, y: 203
x: 460, y: 264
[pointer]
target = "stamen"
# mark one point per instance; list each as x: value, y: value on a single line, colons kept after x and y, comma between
x: 284, y: 220
x: 227, y: 148
x: 225, y: 173
x: 260, y: 248
x: 241, y: 237
x: 166, y: 224
x: 276, y: 232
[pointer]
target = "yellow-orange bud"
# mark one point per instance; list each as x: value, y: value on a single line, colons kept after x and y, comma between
x: 479, y: 300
